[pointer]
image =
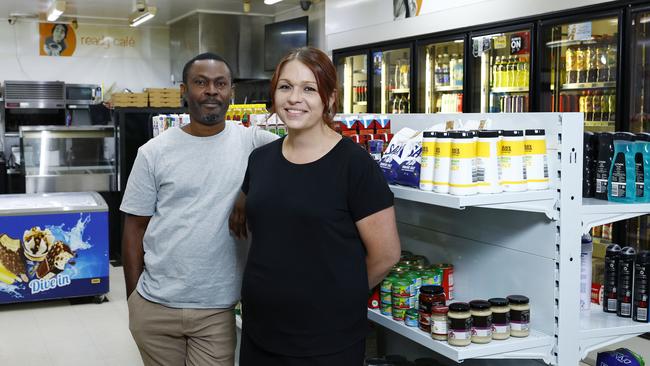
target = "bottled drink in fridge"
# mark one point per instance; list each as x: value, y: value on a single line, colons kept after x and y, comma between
x: 459, y: 70
x: 496, y: 72
x: 452, y: 69
x: 590, y: 63
x: 570, y: 73
x: 445, y: 69
x: 580, y: 69
x: 612, y: 107
x: 604, y: 107
x: 512, y: 72
x: 601, y: 64
x: 438, y: 71
x: 503, y: 70
x: 596, y: 114
x: 611, y: 62
x: 589, y: 106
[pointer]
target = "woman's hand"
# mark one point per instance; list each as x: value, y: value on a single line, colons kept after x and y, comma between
x: 237, y: 219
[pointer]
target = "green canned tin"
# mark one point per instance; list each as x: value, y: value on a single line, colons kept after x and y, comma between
x: 432, y: 277
x: 387, y: 284
x: 402, y: 302
x: 411, y: 318
x: 401, y: 288
x: 386, y: 309
x: 386, y: 297
x: 399, y: 314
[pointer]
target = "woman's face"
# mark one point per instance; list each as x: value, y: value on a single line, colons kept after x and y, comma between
x: 58, y: 33
x: 297, y: 101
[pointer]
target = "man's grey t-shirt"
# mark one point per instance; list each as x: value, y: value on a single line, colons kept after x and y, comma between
x: 188, y: 185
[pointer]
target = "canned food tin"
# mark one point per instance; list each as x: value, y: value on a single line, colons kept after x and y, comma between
x: 447, y: 279
x: 387, y: 285
x: 403, y: 302
x: 401, y: 288
x: 386, y: 297
x: 399, y: 314
x: 432, y: 277
x: 386, y: 309
x: 411, y: 318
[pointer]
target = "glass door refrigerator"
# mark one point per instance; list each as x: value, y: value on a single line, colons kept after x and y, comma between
x: 352, y: 71
x: 391, y: 79
x: 440, y: 75
x: 500, y: 65
x: 579, y: 68
x: 639, y: 71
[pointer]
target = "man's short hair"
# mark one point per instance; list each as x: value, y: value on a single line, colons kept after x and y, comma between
x: 204, y: 56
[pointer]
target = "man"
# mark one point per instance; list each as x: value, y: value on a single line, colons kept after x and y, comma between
x: 182, y: 267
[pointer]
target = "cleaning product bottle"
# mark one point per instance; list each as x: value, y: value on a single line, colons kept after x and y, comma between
x: 642, y: 163
x: 621, y: 180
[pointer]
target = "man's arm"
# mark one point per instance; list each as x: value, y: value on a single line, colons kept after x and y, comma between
x: 133, y: 249
x: 379, y: 235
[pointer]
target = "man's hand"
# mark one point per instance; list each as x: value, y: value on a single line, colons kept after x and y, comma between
x: 237, y: 219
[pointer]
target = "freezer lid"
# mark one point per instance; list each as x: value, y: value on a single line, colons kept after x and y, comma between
x: 21, y: 204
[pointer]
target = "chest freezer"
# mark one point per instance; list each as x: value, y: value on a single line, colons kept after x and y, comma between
x: 53, y: 246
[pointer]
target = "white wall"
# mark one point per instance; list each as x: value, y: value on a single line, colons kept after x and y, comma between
x: 352, y: 23
x: 145, y: 65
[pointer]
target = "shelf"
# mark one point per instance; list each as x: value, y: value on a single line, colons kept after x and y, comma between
x: 599, y: 123
x: 579, y: 86
x: 599, y: 329
x: 513, y: 89
x: 360, y: 103
x: 536, y: 346
x: 447, y: 88
x: 598, y: 212
x: 531, y: 201
x: 400, y: 91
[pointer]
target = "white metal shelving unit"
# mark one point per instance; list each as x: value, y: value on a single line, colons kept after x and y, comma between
x: 514, y: 243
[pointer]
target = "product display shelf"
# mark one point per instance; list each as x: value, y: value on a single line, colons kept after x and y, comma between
x: 580, y: 86
x: 448, y: 88
x: 531, y: 201
x: 401, y: 91
x: 599, y: 329
x: 361, y: 103
x: 510, y: 89
x: 596, y: 212
x: 536, y: 346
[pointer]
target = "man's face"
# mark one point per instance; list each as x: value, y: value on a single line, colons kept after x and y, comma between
x: 208, y: 91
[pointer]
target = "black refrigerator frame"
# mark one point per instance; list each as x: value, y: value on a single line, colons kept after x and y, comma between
x: 355, y: 52
x: 629, y: 57
x: 438, y: 38
x: 577, y: 18
x: 513, y: 27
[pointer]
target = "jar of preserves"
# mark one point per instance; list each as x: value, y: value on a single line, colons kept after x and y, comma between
x: 459, y: 324
x: 481, y: 321
x: 519, y: 315
x: 500, y: 318
x: 439, y: 323
x: 430, y: 296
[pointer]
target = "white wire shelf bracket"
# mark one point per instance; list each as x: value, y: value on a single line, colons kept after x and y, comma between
x: 536, y: 346
x: 596, y: 212
x: 542, y: 201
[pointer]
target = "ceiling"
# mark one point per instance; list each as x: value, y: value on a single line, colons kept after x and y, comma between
x: 118, y: 11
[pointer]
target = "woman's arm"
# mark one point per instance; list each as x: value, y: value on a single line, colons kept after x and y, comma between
x: 237, y: 219
x: 379, y: 235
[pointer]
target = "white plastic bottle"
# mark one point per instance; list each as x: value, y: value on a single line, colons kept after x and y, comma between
x: 513, y: 177
x: 462, y: 180
x: 442, y: 162
x: 487, y: 162
x: 428, y: 160
x: 536, y: 160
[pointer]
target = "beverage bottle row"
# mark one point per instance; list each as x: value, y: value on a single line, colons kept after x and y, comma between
x: 590, y: 64
x: 510, y: 71
x: 450, y: 103
x: 512, y: 104
x: 401, y: 104
x: 360, y: 92
x: 449, y: 71
x: 596, y: 105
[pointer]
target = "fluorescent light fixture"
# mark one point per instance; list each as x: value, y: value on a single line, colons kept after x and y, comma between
x: 138, y: 17
x: 271, y: 2
x: 56, y: 9
x: 294, y: 32
x: 644, y: 19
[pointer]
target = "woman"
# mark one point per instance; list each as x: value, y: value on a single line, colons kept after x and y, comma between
x: 323, y: 228
x: 55, y: 44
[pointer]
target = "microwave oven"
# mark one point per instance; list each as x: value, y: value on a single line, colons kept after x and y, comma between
x: 82, y: 94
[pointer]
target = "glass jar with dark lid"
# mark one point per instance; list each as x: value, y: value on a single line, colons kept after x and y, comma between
x: 430, y: 296
x: 519, y: 315
x: 459, y: 324
x: 500, y: 318
x: 481, y: 321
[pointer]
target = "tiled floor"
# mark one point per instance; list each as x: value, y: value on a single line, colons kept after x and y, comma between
x: 57, y: 333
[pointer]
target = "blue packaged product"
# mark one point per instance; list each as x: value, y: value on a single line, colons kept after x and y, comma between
x: 642, y: 165
x: 622, y: 173
x: 395, y: 154
x: 619, y: 357
x: 409, y: 169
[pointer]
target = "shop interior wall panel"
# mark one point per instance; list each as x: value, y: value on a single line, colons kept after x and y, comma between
x: 483, y: 271
x: 524, y: 231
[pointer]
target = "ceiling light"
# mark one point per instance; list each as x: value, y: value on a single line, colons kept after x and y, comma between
x: 56, y: 9
x: 271, y: 2
x: 142, y: 14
